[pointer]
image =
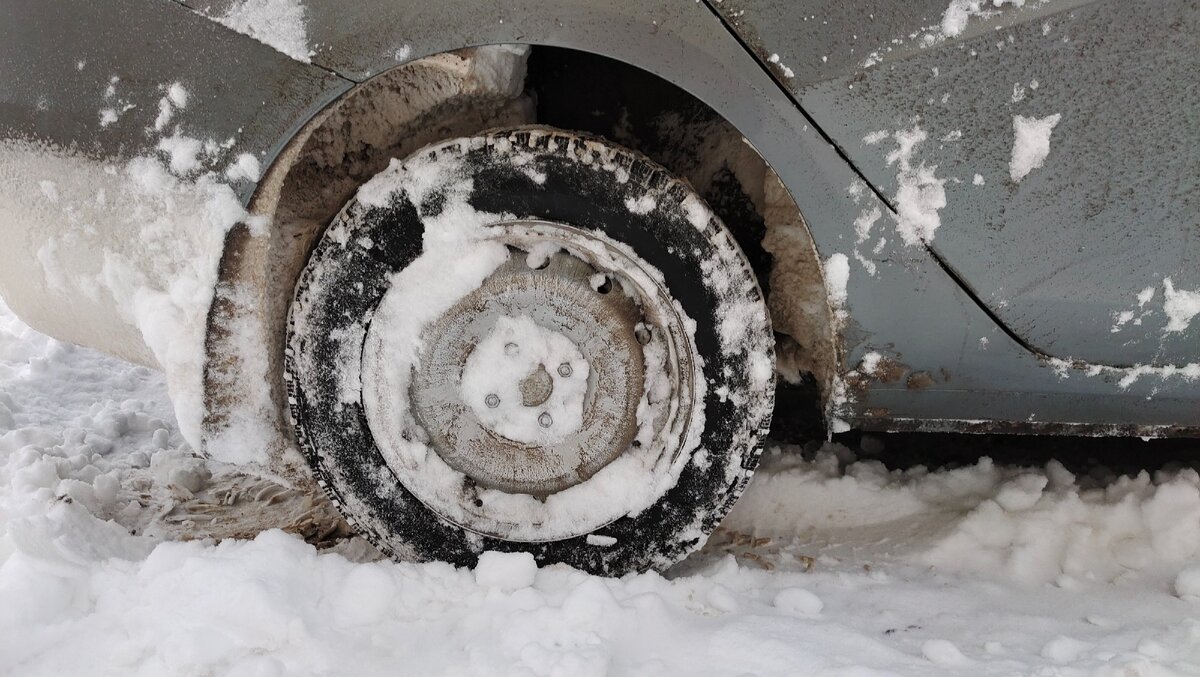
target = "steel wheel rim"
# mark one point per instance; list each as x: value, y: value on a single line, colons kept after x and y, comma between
x: 465, y: 479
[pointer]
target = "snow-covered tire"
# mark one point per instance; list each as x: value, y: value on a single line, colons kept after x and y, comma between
x: 360, y: 398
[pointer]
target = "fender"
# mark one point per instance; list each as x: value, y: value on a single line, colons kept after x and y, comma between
x: 124, y: 159
x: 915, y: 312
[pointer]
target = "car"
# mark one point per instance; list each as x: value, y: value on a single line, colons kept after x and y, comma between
x: 544, y: 276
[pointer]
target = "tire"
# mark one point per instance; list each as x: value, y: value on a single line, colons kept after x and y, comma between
x: 362, y: 401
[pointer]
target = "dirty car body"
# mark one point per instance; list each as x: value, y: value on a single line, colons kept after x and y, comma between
x: 964, y: 294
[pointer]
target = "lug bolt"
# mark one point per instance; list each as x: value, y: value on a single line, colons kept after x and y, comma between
x: 564, y: 369
x: 511, y: 349
x: 492, y: 400
x: 544, y: 420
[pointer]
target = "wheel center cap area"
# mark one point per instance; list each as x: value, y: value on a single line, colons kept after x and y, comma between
x: 530, y: 384
x: 525, y: 382
x: 537, y: 387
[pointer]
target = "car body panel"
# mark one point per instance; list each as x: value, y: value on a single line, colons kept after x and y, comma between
x: 58, y: 60
x: 1059, y: 255
x: 102, y: 244
x: 912, y: 312
x: 123, y: 55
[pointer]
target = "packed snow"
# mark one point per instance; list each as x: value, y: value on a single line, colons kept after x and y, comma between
x: 837, y: 276
x: 830, y: 565
x: 836, y: 273
x: 863, y: 224
x: 1180, y: 306
x: 279, y: 24
x: 862, y: 232
x: 158, y: 260
x: 787, y: 72
x: 920, y: 194
x: 516, y: 350
x: 1031, y: 144
x: 183, y: 153
x: 959, y: 12
x: 953, y: 23
x: 1126, y: 376
x: 245, y: 167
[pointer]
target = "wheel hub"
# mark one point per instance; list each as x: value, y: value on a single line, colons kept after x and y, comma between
x: 530, y: 384
x: 507, y: 386
x: 538, y: 386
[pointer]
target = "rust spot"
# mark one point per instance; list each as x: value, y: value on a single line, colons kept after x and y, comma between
x: 919, y: 380
x: 889, y: 371
x: 879, y: 412
x: 856, y: 382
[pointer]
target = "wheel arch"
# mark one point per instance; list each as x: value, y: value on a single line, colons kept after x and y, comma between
x: 392, y: 114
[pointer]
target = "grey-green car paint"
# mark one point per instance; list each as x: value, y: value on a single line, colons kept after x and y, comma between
x: 1115, y: 209
x: 914, y: 310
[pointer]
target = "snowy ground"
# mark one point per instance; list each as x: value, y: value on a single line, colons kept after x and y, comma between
x: 827, y: 566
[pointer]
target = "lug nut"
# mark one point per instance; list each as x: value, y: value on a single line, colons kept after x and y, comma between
x: 492, y: 400
x: 564, y: 369
x: 545, y: 421
x: 511, y: 349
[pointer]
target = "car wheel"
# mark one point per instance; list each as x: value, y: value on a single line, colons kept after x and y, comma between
x: 530, y: 340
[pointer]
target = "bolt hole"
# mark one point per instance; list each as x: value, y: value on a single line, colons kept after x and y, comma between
x: 642, y: 333
x: 478, y: 503
x: 605, y: 286
x: 636, y: 444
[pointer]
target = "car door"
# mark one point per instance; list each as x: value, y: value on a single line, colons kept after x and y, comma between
x: 1047, y: 153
